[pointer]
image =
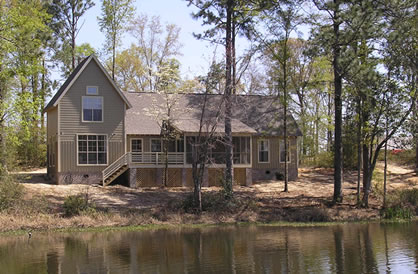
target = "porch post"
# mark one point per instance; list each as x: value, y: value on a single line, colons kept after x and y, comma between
x: 248, y: 177
x: 132, y: 177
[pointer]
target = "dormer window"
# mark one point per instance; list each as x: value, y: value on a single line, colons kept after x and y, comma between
x: 92, y: 109
x: 92, y: 90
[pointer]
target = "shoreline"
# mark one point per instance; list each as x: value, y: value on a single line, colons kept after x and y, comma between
x: 144, y: 227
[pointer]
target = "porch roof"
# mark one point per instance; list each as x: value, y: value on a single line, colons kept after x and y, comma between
x: 193, y: 126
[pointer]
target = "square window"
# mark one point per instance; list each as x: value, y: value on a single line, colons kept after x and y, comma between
x: 82, y: 158
x: 92, y: 149
x: 136, y: 145
x: 155, y: 145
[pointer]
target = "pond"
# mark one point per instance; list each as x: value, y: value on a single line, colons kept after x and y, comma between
x: 346, y: 248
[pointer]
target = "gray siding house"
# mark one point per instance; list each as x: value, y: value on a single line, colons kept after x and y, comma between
x: 98, y: 134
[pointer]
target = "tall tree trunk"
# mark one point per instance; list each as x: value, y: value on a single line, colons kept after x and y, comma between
x: 73, y: 34
x: 385, y: 168
x: 329, y: 113
x: 286, y: 149
x: 366, y: 176
x: 415, y: 119
x: 304, y: 128
x: 338, y: 155
x: 234, y: 61
x: 359, y: 137
x: 43, y: 95
x: 113, y: 56
x: 228, y: 100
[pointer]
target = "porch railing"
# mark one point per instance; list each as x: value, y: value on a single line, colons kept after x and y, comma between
x: 173, y: 158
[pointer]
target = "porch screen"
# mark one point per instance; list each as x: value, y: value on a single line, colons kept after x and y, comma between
x: 92, y: 149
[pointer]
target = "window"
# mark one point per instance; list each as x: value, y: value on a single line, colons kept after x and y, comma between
x: 282, y: 152
x: 155, y: 145
x: 263, y: 151
x: 136, y: 145
x: 92, y: 109
x: 92, y: 149
x: 91, y: 90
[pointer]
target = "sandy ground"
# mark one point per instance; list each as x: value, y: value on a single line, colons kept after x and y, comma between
x: 313, y: 190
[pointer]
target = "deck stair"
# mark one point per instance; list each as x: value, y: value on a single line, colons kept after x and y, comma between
x: 115, y: 169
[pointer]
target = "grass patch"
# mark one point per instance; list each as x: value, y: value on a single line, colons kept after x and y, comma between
x: 401, y: 204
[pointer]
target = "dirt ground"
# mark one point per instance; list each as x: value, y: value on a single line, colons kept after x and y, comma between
x: 311, y: 193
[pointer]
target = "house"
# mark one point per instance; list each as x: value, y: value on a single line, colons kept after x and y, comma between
x: 97, y: 133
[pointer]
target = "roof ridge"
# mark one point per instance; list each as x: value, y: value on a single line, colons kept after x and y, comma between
x: 210, y: 94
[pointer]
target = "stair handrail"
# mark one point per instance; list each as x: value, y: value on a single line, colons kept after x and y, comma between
x: 113, y: 167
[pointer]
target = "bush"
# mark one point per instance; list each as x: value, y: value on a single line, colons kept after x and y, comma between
x: 76, y: 204
x: 10, y: 193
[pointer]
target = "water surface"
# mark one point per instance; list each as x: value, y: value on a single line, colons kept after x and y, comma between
x: 348, y: 248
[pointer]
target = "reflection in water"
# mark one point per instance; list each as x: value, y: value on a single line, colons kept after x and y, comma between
x: 350, y: 248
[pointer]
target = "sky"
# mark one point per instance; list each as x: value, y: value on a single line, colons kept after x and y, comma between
x: 195, y: 54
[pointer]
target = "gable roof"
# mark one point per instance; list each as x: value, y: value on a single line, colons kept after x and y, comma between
x: 251, y: 114
x: 74, y: 76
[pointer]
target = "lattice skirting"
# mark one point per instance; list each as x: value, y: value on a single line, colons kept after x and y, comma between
x: 146, y: 177
x: 174, y: 177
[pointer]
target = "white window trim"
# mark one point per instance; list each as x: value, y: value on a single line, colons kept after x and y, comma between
x: 107, y: 148
x: 82, y: 109
x: 258, y: 150
x: 142, y: 145
x: 288, y: 150
x: 150, y: 145
x: 87, y: 90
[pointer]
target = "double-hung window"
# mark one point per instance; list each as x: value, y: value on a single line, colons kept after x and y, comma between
x: 263, y: 151
x: 92, y: 109
x: 283, y: 153
x: 92, y: 149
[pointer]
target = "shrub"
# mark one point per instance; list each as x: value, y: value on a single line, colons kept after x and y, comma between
x: 11, y: 193
x: 76, y: 204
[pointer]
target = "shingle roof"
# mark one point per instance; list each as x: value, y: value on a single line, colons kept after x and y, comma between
x: 253, y: 114
x: 65, y: 85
